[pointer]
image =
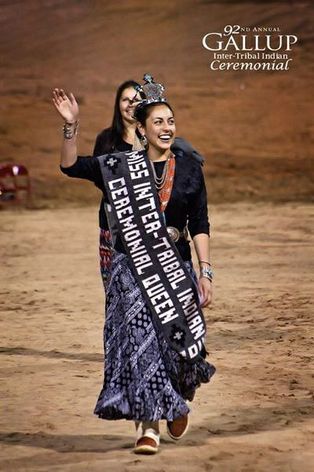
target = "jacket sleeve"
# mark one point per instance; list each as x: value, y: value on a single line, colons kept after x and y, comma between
x: 86, y: 168
x: 197, y: 205
x: 181, y: 147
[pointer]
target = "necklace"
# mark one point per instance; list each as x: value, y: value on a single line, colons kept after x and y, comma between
x: 160, y: 181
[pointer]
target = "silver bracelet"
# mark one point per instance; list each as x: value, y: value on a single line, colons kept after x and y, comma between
x: 70, y: 129
x: 207, y: 273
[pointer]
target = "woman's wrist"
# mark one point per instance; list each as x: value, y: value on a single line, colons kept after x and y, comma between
x: 70, y: 129
x: 204, y: 263
x: 207, y: 272
x: 71, y: 122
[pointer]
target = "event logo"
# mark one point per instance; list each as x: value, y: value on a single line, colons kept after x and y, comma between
x: 253, y: 49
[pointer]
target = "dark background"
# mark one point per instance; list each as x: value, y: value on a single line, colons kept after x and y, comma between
x: 255, y: 129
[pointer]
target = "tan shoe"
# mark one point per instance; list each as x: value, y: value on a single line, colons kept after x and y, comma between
x: 178, y: 428
x: 148, y: 443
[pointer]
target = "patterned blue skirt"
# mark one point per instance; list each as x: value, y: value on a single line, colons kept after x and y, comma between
x: 144, y: 379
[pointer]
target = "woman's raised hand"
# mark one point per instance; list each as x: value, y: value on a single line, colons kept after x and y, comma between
x: 65, y: 105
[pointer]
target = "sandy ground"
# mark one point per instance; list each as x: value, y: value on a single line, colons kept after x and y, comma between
x: 256, y: 415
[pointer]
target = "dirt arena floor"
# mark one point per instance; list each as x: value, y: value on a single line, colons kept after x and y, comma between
x: 255, y: 416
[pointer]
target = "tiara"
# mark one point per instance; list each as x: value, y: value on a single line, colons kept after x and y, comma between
x: 150, y: 91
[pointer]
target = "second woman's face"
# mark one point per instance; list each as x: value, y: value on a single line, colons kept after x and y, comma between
x: 160, y: 128
x: 128, y: 103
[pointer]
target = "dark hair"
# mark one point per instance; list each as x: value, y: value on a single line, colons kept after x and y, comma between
x: 117, y: 127
x: 142, y: 111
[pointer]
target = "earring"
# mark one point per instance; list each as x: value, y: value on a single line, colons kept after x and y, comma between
x: 144, y: 141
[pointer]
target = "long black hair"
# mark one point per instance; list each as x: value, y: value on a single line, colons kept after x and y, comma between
x: 117, y: 127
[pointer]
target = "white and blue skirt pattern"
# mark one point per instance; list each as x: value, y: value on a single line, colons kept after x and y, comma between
x: 144, y: 379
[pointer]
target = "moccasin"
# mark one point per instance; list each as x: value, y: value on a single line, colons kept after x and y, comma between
x: 178, y: 428
x: 148, y: 443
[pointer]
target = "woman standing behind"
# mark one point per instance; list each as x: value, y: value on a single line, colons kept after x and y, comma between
x: 119, y: 137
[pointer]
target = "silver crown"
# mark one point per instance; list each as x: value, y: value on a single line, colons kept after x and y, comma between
x: 150, y: 91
